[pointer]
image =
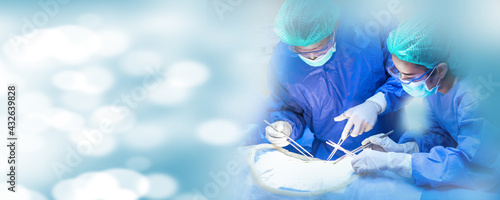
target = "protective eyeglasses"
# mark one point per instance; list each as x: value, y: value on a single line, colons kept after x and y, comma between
x: 328, y: 44
x: 394, y: 72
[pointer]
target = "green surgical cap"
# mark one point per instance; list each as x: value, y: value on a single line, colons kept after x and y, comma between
x: 418, y: 41
x: 305, y: 22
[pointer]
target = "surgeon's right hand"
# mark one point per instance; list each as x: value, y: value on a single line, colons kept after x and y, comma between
x: 278, y: 138
x: 386, y: 144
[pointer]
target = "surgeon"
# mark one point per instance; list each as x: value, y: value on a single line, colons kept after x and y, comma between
x: 458, y: 147
x: 328, y: 73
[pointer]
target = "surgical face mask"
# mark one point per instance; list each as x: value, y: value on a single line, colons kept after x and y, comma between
x: 320, y: 60
x: 420, y: 89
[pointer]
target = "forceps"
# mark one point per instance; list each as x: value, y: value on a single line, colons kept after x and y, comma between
x: 292, y: 142
x: 362, y: 147
x: 329, y: 142
x: 336, y: 147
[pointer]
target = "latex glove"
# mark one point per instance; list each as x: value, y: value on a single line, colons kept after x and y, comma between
x: 386, y: 144
x: 278, y: 138
x: 363, y: 117
x: 374, y: 161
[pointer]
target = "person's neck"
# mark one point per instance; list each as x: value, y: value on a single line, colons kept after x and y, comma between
x: 447, y: 83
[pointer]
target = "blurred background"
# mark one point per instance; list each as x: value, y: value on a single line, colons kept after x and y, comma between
x: 148, y: 99
x: 141, y: 99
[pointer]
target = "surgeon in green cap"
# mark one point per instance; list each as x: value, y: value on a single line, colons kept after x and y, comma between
x: 455, y: 147
x: 328, y: 73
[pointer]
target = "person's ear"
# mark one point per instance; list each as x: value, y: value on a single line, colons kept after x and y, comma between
x: 442, y: 69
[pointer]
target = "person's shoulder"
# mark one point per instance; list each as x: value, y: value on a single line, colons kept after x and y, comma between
x: 461, y: 96
x: 283, y: 62
x: 280, y: 56
x: 280, y: 49
x: 467, y: 92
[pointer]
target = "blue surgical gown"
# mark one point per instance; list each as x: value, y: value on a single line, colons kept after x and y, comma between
x: 313, y: 96
x: 458, y: 147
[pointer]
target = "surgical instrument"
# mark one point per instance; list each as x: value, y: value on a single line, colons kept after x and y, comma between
x: 362, y: 147
x: 329, y: 142
x: 292, y: 142
x: 340, y: 142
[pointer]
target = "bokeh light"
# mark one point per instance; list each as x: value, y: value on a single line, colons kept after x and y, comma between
x: 219, y: 132
x: 112, y: 93
x: 149, y: 135
x: 63, y: 119
x: 169, y: 95
x: 187, y: 74
x: 162, y: 186
x: 109, y: 184
x: 22, y: 193
x: 137, y: 62
x: 120, y: 117
x: 113, y: 43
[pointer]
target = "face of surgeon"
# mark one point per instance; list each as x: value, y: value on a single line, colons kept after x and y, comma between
x: 324, y: 45
x: 409, y: 71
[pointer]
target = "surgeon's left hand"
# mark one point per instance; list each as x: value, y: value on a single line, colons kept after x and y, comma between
x: 386, y: 144
x: 374, y: 161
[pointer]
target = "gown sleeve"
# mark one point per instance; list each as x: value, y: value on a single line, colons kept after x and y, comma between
x: 284, y: 108
x: 472, y: 164
x: 432, y: 136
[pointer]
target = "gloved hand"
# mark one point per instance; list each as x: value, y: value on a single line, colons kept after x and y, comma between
x: 362, y: 117
x: 374, y: 161
x: 386, y: 144
x: 278, y: 138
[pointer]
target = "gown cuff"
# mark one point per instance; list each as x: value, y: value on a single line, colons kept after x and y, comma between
x: 400, y: 163
x: 379, y: 100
